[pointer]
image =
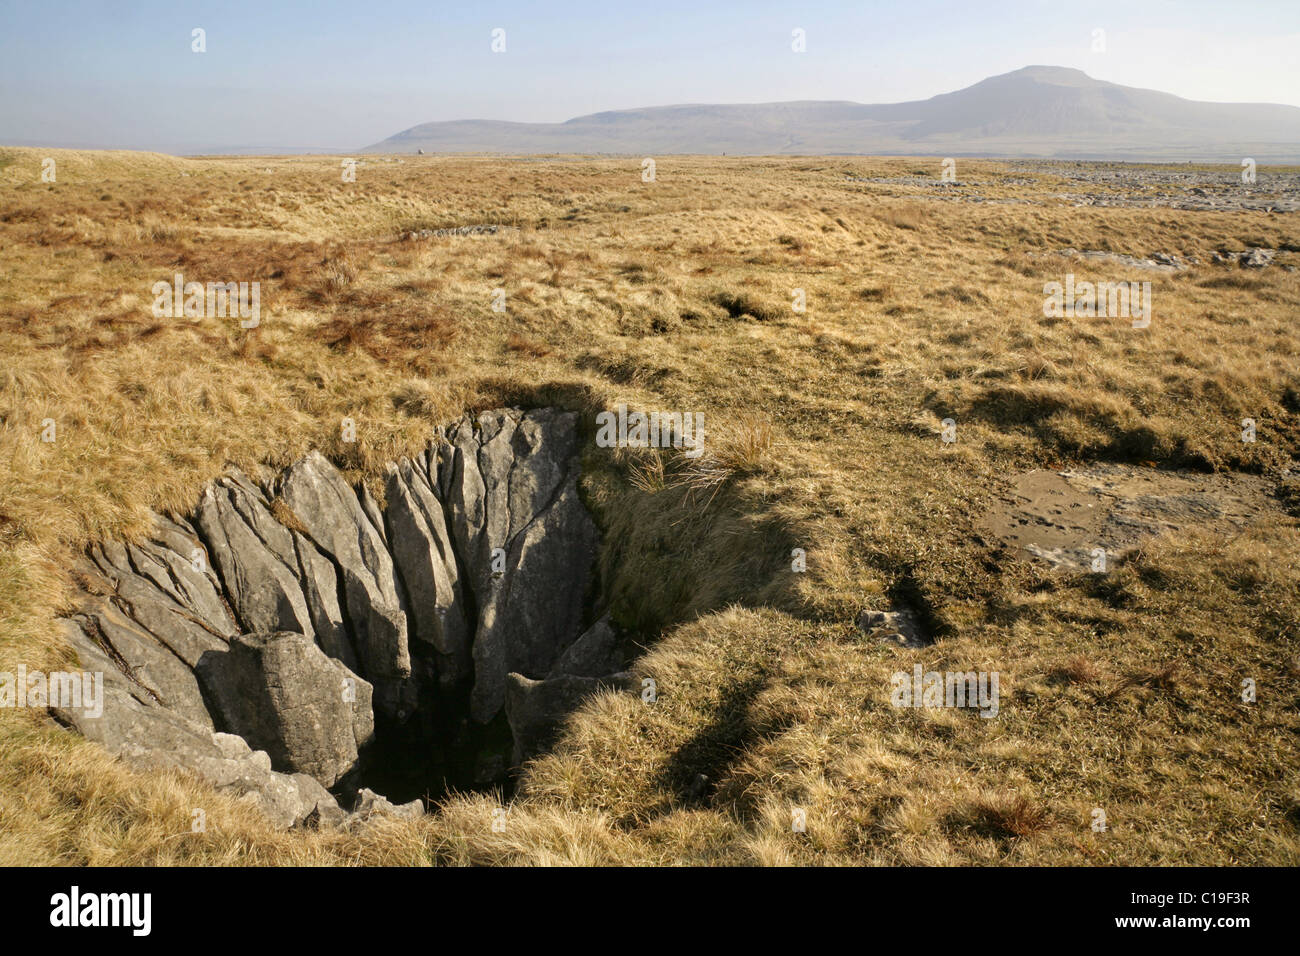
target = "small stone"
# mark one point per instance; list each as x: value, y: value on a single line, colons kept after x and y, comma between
x: 898, y: 627
x: 370, y: 804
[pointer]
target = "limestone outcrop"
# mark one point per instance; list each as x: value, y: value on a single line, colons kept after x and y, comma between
x: 283, y: 695
x: 269, y: 638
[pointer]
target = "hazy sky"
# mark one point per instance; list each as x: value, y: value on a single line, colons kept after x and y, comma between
x: 341, y: 75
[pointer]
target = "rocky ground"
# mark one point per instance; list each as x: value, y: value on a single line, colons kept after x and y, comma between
x: 1086, y: 519
x: 1144, y: 187
x: 1133, y: 185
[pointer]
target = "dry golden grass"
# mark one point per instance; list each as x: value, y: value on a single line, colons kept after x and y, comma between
x: 1120, y: 693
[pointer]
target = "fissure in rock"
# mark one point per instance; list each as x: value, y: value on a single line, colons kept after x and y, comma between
x: 292, y: 641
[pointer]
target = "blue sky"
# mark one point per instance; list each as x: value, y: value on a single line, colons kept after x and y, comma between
x: 340, y: 75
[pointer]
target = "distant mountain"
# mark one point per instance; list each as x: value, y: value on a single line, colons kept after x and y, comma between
x: 1043, y: 111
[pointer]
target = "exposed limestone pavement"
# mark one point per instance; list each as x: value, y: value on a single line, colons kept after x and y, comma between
x: 265, y: 641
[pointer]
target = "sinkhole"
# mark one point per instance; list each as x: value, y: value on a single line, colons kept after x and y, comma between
x: 296, y: 639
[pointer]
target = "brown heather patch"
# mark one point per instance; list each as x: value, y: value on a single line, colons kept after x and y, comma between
x: 1076, y: 670
x: 1003, y: 816
x: 527, y: 346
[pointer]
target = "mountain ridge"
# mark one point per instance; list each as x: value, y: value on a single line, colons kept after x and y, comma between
x: 1036, y: 111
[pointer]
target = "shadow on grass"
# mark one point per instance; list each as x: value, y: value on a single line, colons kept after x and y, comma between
x: 716, y: 746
